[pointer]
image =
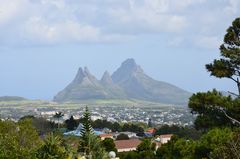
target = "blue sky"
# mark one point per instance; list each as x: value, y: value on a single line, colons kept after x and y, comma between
x: 43, y: 42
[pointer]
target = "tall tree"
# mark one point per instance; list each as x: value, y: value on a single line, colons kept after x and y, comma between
x: 71, y: 123
x: 228, y: 66
x: 90, y: 144
x: 213, y: 108
x: 58, y: 116
x: 18, y: 140
x: 86, y: 133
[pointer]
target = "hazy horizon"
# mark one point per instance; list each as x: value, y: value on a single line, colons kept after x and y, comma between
x: 43, y: 43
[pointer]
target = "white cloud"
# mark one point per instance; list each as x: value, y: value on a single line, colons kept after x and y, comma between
x: 149, y: 17
x: 208, y: 42
x: 38, y: 28
x: 232, y: 7
x: 180, y: 5
x: 76, y: 21
x: 9, y: 10
x: 58, y: 3
x: 158, y: 6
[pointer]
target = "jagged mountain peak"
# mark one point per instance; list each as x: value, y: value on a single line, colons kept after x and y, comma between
x: 106, y: 78
x: 86, y: 71
x: 129, y: 62
x: 80, y: 75
x: 84, y: 75
x: 131, y: 65
x: 127, y: 69
x: 128, y: 82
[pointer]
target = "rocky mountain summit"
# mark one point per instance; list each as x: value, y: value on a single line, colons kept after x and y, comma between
x: 128, y: 82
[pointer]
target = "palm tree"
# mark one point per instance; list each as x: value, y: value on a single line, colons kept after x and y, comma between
x: 57, y: 116
x: 52, y: 148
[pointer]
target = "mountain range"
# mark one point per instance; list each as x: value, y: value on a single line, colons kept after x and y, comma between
x: 128, y: 82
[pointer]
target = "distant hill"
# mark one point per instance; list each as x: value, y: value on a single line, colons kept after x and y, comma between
x: 127, y: 82
x: 11, y: 98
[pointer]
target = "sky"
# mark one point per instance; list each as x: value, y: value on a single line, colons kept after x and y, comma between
x: 44, y: 42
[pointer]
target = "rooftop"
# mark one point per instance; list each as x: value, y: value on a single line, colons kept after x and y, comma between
x: 125, y: 144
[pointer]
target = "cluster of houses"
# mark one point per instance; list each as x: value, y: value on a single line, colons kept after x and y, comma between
x: 130, y: 144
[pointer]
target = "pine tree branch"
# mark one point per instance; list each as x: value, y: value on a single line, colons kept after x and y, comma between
x: 231, y: 118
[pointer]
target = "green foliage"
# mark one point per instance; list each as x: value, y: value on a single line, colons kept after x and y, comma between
x: 90, y: 145
x: 71, y: 124
x: 211, y: 141
x: 146, y: 149
x: 102, y: 124
x: 213, y: 109
x: 207, y: 145
x: 109, y: 145
x: 228, y: 150
x: 86, y: 132
x: 129, y: 155
x: 208, y: 107
x: 58, y: 116
x: 116, y: 127
x: 174, y: 149
x: 184, y: 132
x: 228, y: 66
x: 133, y: 127
x: 53, y: 148
x: 18, y: 140
x: 42, y: 125
x: 122, y: 136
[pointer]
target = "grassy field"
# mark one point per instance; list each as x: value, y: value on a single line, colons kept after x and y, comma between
x: 70, y: 105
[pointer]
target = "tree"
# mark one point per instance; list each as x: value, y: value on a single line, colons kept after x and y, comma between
x: 18, y: 140
x: 206, y: 105
x: 97, y: 151
x: 116, y: 127
x: 130, y: 155
x: 52, y: 148
x: 211, y: 141
x: 146, y: 149
x: 58, y: 116
x: 122, y: 137
x: 71, y: 124
x: 90, y: 144
x: 230, y: 149
x: 86, y: 132
x: 42, y: 125
x: 178, y: 148
x: 109, y: 145
x: 213, y: 108
x: 228, y: 66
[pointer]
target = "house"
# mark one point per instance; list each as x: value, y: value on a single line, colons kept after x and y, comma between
x: 104, y: 136
x: 127, y: 145
x: 163, y: 139
x: 151, y: 130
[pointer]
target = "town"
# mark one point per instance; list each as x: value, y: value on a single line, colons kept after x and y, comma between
x: 164, y: 115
